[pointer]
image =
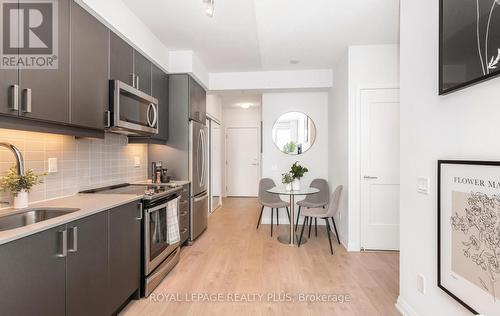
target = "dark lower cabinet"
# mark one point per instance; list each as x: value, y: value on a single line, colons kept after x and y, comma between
x: 33, y: 276
x: 124, y: 254
x: 87, y: 266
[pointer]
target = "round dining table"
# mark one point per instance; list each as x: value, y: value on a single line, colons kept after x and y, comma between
x: 291, y: 238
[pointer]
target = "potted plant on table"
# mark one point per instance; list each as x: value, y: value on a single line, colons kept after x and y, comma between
x: 287, y: 180
x: 20, y: 185
x: 297, y: 172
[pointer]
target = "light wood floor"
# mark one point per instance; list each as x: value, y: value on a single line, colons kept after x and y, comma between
x: 232, y: 257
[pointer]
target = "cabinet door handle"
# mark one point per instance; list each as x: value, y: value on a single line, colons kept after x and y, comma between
x: 63, y: 244
x: 184, y: 213
x: 133, y: 79
x: 136, y: 81
x: 139, y: 212
x: 184, y: 231
x: 27, y: 100
x: 370, y: 178
x: 14, y: 97
x: 74, y: 239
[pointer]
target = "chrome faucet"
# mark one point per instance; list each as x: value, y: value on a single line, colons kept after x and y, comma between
x: 19, y: 157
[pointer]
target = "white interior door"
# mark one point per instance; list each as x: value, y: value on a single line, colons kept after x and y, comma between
x: 242, y: 158
x: 380, y: 169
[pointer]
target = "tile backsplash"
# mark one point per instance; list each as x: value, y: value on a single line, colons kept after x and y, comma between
x: 82, y: 163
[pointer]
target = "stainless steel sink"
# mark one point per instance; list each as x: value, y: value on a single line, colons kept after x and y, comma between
x: 32, y: 216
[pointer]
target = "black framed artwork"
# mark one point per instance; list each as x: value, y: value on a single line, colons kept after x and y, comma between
x: 469, y: 233
x: 469, y: 43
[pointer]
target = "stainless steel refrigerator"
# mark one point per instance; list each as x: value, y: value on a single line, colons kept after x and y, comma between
x: 185, y: 154
x: 198, y: 173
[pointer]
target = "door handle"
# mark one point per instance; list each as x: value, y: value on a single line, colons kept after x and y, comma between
x: 74, y: 239
x: 155, y: 117
x: 136, y: 81
x: 199, y: 199
x: 133, y: 79
x: 14, y: 97
x: 203, y: 165
x: 27, y: 100
x: 370, y: 178
x: 139, y: 211
x: 63, y: 244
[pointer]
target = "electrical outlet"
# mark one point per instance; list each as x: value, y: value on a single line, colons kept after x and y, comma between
x: 421, y: 283
x: 52, y: 165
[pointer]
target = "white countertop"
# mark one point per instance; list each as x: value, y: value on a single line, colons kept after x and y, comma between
x: 88, y: 204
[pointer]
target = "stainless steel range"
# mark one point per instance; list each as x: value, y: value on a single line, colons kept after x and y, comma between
x: 160, y: 250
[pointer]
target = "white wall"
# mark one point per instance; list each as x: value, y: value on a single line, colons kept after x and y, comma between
x: 462, y: 125
x: 264, y: 80
x: 274, y: 162
x: 214, y: 107
x: 338, y: 157
x: 361, y: 67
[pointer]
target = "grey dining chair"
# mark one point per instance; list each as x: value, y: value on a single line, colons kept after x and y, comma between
x: 318, y: 200
x: 270, y: 200
x: 315, y: 213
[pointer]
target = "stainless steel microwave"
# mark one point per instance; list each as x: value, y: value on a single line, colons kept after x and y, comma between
x: 132, y: 112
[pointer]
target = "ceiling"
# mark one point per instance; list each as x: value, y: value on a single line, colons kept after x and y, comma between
x: 253, y: 35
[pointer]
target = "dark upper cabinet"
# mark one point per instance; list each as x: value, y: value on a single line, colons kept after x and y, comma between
x: 142, y: 72
x: 160, y: 91
x: 121, y: 60
x: 87, y: 266
x: 33, y: 275
x: 89, y: 69
x: 124, y: 253
x: 9, y: 103
x: 197, y: 102
x: 45, y: 92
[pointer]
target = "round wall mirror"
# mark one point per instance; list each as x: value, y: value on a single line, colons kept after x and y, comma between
x: 294, y: 133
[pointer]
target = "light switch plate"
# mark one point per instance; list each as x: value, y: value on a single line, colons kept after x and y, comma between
x: 52, y: 165
x: 421, y: 283
x: 423, y: 185
x: 137, y: 162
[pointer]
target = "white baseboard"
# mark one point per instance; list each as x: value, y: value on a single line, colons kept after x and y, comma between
x: 404, y: 308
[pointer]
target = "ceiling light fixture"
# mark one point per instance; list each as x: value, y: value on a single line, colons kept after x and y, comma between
x: 245, y: 105
x: 294, y: 61
x: 209, y: 7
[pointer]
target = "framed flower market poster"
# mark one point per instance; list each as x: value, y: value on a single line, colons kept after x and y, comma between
x: 469, y: 233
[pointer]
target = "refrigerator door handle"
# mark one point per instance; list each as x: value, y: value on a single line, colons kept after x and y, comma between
x: 203, y: 164
x: 199, y: 146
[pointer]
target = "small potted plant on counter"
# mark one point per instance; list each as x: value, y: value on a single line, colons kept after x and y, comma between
x: 297, y: 172
x: 287, y: 180
x: 19, y: 186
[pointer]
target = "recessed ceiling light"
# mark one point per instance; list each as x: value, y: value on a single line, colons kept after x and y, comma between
x: 209, y: 7
x: 245, y: 105
x: 294, y: 61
